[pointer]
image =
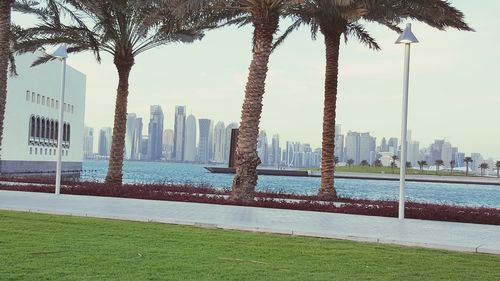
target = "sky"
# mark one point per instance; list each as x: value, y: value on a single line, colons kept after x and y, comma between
x: 453, y: 94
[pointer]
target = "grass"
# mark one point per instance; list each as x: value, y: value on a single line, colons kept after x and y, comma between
x: 389, y: 170
x: 47, y: 247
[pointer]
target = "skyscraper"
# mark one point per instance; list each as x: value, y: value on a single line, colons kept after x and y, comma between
x: 105, y: 138
x: 136, y: 144
x: 392, y: 146
x: 219, y: 142
x: 179, y: 133
x: 262, y: 147
x: 190, y: 139
x: 155, y: 133
x: 205, y: 145
x: 446, y: 153
x: 352, y: 147
x: 366, y: 147
x: 88, y: 143
x: 227, y: 148
x: 133, y: 137
x: 339, y: 144
x: 276, y: 151
x: 168, y: 143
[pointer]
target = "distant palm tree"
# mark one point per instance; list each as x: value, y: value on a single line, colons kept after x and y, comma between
x: 483, y: 167
x: 421, y: 164
x: 393, y: 162
x: 377, y: 163
x: 467, y: 161
x: 124, y: 29
x: 438, y: 164
x: 365, y: 163
x: 452, y: 166
x: 336, y: 159
x: 497, y: 164
x: 350, y: 162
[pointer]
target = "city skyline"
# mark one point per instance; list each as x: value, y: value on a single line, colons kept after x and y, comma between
x: 211, y: 144
x: 446, y: 91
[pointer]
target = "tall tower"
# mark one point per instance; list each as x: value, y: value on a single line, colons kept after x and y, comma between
x: 190, y: 139
x: 179, y: 133
x: 219, y: 142
x: 105, y: 138
x: 88, y: 143
x: 155, y: 133
x: 206, y: 140
x: 352, y: 147
x: 262, y: 147
x: 130, y: 135
x: 137, y: 142
x: 276, y: 151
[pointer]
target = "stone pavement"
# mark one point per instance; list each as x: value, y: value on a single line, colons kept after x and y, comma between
x: 429, y: 234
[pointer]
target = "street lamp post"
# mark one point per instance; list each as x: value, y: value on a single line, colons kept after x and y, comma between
x: 62, y: 54
x: 406, y: 38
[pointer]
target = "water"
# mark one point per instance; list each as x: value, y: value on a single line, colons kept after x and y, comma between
x: 441, y: 193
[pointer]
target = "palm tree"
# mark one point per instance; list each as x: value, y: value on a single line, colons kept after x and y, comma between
x: 497, y: 164
x: 452, y: 166
x: 364, y: 163
x: 421, y: 164
x: 467, y: 160
x: 377, y: 163
x: 438, y: 164
x: 6, y: 41
x: 5, y: 14
x: 122, y: 28
x: 483, y: 167
x: 350, y: 162
x: 264, y: 15
x: 334, y: 18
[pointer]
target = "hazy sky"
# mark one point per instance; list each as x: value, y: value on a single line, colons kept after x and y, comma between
x: 453, y: 90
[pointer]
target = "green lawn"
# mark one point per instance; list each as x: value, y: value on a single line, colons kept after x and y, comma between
x: 45, y: 247
x: 389, y: 170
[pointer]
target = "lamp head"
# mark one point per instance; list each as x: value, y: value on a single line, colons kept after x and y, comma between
x: 407, y: 37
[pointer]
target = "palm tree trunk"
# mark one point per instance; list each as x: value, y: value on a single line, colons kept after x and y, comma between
x: 498, y: 172
x: 467, y: 169
x: 5, y: 12
x: 115, y: 174
x: 246, y: 158
x: 332, y: 44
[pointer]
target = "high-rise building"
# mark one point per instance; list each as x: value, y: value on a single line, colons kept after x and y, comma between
x: 262, y: 147
x: 88, y: 143
x: 136, y: 148
x: 219, y: 142
x: 414, y: 153
x: 105, y: 138
x: 392, y: 146
x: 352, y: 147
x: 179, y: 133
x: 383, y: 145
x: 155, y: 133
x: 276, y: 151
x: 366, y: 147
x: 168, y: 143
x: 446, y: 153
x: 190, y: 139
x: 133, y: 137
x: 205, y: 145
x: 227, y: 148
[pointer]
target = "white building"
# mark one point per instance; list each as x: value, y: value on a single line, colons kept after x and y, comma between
x: 190, y: 139
x: 219, y: 142
x: 31, y: 118
x: 88, y: 143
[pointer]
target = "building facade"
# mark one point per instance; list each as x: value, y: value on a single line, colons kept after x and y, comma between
x: 31, y: 118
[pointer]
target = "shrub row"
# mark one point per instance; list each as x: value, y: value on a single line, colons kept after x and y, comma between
x: 206, y: 194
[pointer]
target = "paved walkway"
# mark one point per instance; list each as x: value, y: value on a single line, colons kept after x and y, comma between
x: 430, y: 234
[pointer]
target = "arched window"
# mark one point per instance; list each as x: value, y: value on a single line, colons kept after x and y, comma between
x: 68, y: 134
x: 47, y: 129
x: 42, y: 127
x: 56, y: 129
x: 37, y: 135
x: 32, y: 127
x: 64, y: 132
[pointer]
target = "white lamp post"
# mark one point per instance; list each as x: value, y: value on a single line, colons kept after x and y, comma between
x: 406, y: 38
x: 62, y: 54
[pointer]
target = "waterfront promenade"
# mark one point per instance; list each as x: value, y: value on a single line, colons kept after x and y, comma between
x: 429, y: 234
